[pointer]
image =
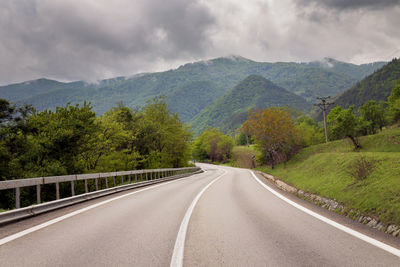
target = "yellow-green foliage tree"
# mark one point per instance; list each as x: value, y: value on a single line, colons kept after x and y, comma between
x: 212, y: 145
x: 309, y: 132
x: 274, y: 132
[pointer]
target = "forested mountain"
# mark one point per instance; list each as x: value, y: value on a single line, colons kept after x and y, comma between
x: 377, y: 86
x: 188, y: 88
x: 356, y: 71
x: 230, y: 110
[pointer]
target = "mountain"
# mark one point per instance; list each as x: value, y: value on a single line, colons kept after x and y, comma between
x: 356, y: 71
x: 188, y: 89
x: 376, y: 86
x: 229, y: 111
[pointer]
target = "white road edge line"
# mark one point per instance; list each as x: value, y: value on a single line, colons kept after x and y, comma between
x: 177, y: 256
x: 339, y: 226
x: 66, y: 216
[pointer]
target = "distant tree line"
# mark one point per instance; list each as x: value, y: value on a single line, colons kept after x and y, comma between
x: 73, y: 140
x: 368, y: 119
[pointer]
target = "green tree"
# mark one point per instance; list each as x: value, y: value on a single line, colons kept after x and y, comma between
x: 374, y: 115
x: 163, y: 141
x: 213, y: 145
x: 59, y: 138
x: 394, y: 103
x: 309, y: 132
x: 343, y: 123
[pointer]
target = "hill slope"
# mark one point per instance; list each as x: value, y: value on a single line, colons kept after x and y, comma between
x: 356, y: 71
x: 376, y: 86
x: 188, y: 88
x: 229, y: 111
x: 326, y: 169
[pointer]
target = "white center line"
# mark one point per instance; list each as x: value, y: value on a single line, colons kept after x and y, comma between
x: 348, y: 230
x: 177, y: 256
x: 66, y: 216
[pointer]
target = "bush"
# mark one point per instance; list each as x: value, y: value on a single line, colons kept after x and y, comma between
x: 361, y: 168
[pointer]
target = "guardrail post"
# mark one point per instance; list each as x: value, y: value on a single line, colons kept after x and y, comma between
x: 38, y: 194
x: 72, y: 188
x: 122, y: 179
x: 135, y: 177
x: 114, y: 181
x: 57, y: 191
x: 106, y: 182
x: 130, y: 178
x: 86, y: 187
x: 96, y: 183
x: 17, y: 198
x: 146, y: 176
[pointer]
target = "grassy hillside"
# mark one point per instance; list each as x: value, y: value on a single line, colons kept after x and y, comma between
x: 326, y: 169
x: 253, y: 92
x: 188, y: 88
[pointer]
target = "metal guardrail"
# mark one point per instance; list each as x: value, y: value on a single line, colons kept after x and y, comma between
x: 130, y: 176
x: 21, y: 213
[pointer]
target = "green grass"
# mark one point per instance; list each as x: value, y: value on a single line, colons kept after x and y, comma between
x: 325, y: 170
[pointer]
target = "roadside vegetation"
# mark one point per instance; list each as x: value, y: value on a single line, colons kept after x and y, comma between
x: 72, y: 140
x: 366, y: 180
x: 212, y: 146
x: 360, y: 168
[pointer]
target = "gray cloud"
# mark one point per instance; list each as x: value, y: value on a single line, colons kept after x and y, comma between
x: 354, y: 4
x: 91, y: 40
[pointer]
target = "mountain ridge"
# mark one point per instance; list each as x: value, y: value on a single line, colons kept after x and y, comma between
x: 197, y: 83
x: 229, y: 111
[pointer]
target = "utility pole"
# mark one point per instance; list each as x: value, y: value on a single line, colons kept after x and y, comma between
x: 323, y: 105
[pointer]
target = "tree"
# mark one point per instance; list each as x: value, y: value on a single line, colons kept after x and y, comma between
x: 213, y: 145
x: 343, y: 123
x: 309, y: 132
x: 60, y: 137
x: 13, y: 137
x: 374, y: 116
x: 163, y: 140
x: 274, y: 132
x: 394, y: 103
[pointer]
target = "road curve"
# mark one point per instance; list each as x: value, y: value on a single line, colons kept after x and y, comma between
x: 234, y: 222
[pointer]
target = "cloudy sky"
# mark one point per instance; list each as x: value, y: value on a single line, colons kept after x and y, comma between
x: 96, y: 39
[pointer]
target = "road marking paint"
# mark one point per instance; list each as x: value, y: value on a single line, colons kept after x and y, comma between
x: 339, y: 226
x: 177, y: 256
x: 66, y: 216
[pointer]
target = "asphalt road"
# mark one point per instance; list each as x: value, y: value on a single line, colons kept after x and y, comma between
x: 235, y: 221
